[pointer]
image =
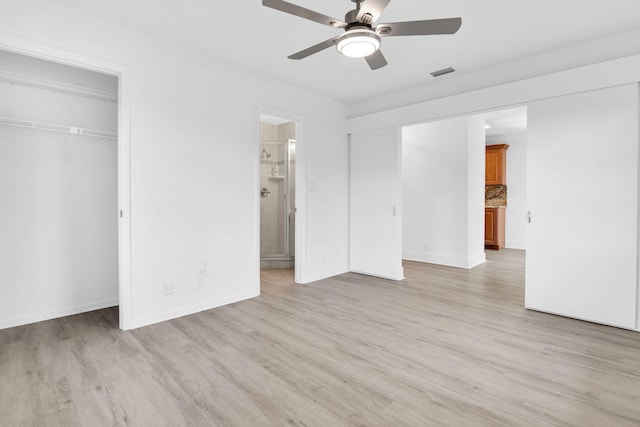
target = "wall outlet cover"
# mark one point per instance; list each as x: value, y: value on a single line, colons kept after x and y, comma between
x: 202, y: 268
x: 167, y: 288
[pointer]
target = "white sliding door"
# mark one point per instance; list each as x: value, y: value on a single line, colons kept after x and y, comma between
x: 375, y: 217
x: 582, y: 179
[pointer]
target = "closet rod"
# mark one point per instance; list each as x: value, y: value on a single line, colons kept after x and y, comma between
x: 57, y: 128
x: 56, y: 86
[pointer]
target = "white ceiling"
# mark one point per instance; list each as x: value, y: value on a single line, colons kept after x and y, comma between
x: 273, y: 120
x: 506, y: 123
x: 494, y: 34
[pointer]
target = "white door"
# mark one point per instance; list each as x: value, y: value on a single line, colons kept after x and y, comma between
x: 375, y: 217
x: 582, y: 190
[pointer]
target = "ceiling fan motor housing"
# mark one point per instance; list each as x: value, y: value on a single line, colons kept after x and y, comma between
x: 351, y: 18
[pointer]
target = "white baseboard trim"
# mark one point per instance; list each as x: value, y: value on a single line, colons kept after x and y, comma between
x: 192, y: 309
x: 312, y: 279
x: 540, y: 310
x: 515, y: 245
x: 399, y: 277
x: 54, y: 314
x: 475, y: 261
x: 449, y: 261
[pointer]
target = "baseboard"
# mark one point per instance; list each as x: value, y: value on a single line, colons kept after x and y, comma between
x: 476, y: 260
x: 311, y: 279
x: 399, y: 277
x: 449, y: 261
x: 196, y: 308
x: 582, y: 319
x: 54, y: 314
x: 515, y: 245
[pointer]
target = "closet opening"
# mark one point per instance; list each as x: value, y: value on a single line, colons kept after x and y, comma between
x: 59, y: 181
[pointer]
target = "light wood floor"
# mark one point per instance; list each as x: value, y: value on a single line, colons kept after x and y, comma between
x: 444, y: 347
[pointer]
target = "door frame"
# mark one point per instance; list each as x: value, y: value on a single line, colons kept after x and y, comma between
x: 300, y: 200
x: 74, y: 59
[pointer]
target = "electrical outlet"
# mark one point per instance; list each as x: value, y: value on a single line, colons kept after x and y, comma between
x: 202, y: 268
x: 200, y: 282
x: 167, y: 288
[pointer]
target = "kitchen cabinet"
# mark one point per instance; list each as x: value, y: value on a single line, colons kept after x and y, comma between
x: 494, y: 228
x: 495, y: 172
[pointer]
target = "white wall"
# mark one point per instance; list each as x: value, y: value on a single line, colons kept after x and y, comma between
x: 443, y: 192
x: 582, y: 182
x: 516, y: 210
x: 194, y: 156
x: 59, y: 222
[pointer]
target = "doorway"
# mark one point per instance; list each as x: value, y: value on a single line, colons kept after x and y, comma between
x: 507, y: 129
x: 445, y: 195
x: 278, y: 138
x: 60, y: 186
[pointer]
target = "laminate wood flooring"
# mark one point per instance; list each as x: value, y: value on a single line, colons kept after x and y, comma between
x: 443, y: 347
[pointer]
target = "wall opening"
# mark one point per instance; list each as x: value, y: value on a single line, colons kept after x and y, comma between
x: 277, y: 174
x: 445, y: 191
x: 59, y: 187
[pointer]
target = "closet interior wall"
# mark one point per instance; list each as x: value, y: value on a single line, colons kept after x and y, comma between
x: 58, y: 186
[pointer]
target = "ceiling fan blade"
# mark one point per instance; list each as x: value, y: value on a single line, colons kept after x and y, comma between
x: 302, y: 12
x: 372, y: 7
x: 420, y: 28
x: 314, y: 49
x: 376, y: 60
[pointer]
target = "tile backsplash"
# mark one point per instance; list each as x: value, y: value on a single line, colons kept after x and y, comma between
x: 495, y: 195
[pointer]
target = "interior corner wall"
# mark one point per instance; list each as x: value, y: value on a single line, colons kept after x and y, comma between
x: 516, y: 210
x: 194, y: 162
x: 442, y: 205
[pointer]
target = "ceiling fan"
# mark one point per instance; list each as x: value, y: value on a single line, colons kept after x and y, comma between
x: 362, y: 35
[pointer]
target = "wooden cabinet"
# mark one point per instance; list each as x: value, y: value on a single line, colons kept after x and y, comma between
x: 495, y: 172
x: 494, y: 228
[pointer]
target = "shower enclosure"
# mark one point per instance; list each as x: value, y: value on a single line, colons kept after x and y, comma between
x: 277, y: 187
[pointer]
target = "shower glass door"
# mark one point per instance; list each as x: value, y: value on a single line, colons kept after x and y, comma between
x: 274, y: 200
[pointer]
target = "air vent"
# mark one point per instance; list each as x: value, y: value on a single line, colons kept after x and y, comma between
x: 443, y: 72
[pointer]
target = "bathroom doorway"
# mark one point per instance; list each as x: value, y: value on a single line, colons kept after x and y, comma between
x: 277, y: 192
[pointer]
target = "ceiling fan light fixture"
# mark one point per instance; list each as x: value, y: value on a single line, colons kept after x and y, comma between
x: 358, y: 43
